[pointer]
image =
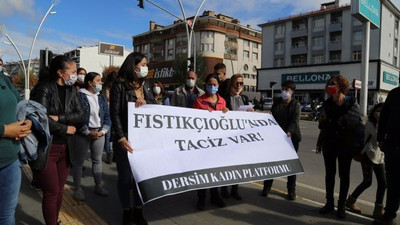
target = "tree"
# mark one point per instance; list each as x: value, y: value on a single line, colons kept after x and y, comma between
x: 19, y: 80
x: 180, y: 69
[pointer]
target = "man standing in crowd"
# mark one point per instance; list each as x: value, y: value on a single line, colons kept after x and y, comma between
x: 389, y: 143
x: 185, y: 95
x: 220, y: 70
x: 286, y: 111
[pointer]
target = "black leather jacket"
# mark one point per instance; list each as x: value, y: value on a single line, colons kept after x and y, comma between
x: 47, y: 95
x: 389, y: 120
x: 120, y: 95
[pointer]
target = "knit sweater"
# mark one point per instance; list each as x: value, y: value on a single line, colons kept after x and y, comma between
x: 9, y: 98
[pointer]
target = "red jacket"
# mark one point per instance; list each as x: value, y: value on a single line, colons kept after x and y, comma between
x: 202, y: 102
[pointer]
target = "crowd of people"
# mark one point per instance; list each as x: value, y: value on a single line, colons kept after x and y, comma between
x: 86, y: 114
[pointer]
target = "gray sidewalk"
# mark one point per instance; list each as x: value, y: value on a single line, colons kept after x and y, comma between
x: 180, y: 209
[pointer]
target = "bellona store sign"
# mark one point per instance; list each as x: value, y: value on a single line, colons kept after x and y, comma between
x: 309, y: 78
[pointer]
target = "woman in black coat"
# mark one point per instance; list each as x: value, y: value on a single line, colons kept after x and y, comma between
x: 338, y: 122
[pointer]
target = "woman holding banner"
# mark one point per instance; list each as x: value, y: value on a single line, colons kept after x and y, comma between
x: 130, y: 86
x: 234, y: 100
x: 210, y: 101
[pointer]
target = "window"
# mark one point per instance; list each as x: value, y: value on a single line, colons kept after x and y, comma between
x: 356, y: 56
x: 395, y: 61
x: 255, y: 45
x: 278, y: 62
x: 336, y: 37
x: 279, y: 46
x: 170, y: 52
x: 319, y: 22
x: 171, y: 41
x: 253, y: 77
x: 246, y: 55
x: 318, y: 41
x: 280, y: 30
x: 246, y: 43
x: 207, y: 47
x: 335, y: 56
x: 245, y: 67
x: 207, y: 34
x: 318, y: 59
x: 357, y: 37
x: 299, y: 59
x: 255, y: 56
x: 298, y: 43
x: 254, y: 69
x: 245, y: 75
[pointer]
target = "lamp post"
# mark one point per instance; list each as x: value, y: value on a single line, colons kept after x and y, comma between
x: 190, y: 32
x: 27, y: 90
x: 11, y: 42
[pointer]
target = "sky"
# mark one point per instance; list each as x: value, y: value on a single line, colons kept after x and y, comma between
x: 87, y: 22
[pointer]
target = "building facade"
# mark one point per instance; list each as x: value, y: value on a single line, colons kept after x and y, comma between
x: 90, y: 59
x: 217, y: 38
x: 311, y: 47
x: 14, y: 68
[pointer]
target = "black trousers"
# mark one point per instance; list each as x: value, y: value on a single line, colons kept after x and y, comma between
x: 201, y: 194
x: 344, y: 157
x: 392, y: 166
x: 368, y: 167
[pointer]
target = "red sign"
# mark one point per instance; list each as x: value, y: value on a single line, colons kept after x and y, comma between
x: 357, y: 84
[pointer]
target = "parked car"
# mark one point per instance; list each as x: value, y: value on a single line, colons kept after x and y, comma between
x: 267, y: 103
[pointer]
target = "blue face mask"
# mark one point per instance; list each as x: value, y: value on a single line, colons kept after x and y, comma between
x: 211, y: 90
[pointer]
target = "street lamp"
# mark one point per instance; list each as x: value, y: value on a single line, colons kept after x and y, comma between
x: 3, y: 30
x: 27, y: 90
x: 187, y: 24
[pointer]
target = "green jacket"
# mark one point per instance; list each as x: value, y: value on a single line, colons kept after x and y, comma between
x: 9, y: 97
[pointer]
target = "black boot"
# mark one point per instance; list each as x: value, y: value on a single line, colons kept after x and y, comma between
x: 267, y: 188
x: 235, y: 193
x: 291, y: 194
x: 327, y: 208
x: 138, y: 218
x: 341, y: 211
x: 127, y: 218
x: 224, y: 192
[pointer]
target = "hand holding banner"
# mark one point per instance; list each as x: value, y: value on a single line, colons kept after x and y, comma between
x: 179, y: 149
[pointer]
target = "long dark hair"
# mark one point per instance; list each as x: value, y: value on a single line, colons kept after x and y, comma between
x: 127, y: 71
x: 89, y: 77
x: 371, y: 116
x: 59, y: 62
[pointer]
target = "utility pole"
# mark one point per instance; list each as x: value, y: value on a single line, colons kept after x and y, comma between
x: 189, y: 27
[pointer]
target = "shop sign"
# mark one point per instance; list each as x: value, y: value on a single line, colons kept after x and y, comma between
x: 309, y: 78
x: 390, y: 78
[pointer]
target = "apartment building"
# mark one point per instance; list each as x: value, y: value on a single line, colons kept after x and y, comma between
x: 218, y: 38
x: 311, y: 47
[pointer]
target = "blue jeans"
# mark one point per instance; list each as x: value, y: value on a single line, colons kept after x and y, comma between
x: 10, y: 182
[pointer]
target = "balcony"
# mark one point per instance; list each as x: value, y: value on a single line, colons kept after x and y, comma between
x: 279, y: 35
x: 335, y: 45
x: 333, y: 27
x: 298, y: 50
x: 298, y: 32
x: 278, y: 52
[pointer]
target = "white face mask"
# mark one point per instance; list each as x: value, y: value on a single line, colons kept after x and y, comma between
x: 98, y: 88
x: 143, y: 72
x: 81, y: 78
x: 190, y: 82
x: 156, y: 90
x: 285, y: 95
x: 71, y: 81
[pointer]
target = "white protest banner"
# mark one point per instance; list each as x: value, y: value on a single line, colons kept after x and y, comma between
x: 179, y: 149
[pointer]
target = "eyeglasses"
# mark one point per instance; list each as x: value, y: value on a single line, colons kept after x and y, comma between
x: 332, y: 83
x: 239, y: 83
